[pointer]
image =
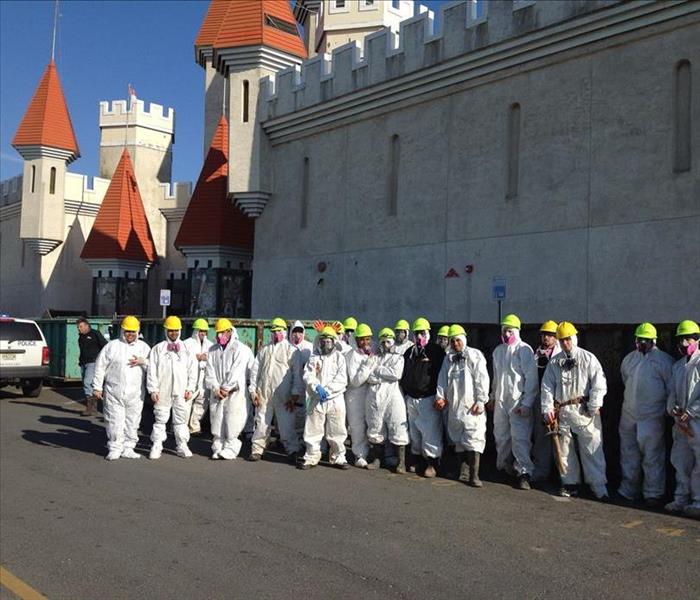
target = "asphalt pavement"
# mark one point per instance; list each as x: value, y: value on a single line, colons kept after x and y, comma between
x: 73, y: 525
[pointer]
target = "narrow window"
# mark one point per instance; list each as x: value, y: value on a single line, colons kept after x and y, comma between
x: 513, y: 151
x: 340, y: 3
x: 394, y: 156
x: 395, y: 4
x: 52, y: 181
x: 681, y: 117
x: 246, y: 100
x: 33, y: 177
x: 305, y: 194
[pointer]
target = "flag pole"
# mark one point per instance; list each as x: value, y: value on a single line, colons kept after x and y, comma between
x: 55, y: 26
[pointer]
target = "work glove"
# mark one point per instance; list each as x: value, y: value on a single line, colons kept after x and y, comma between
x: 322, y: 393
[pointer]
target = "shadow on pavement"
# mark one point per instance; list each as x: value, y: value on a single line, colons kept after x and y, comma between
x: 83, y: 435
x: 54, y: 407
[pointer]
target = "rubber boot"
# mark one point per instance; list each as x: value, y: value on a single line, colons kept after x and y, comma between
x: 90, y: 406
x: 473, y: 460
x: 430, y: 470
x: 376, y: 454
x: 401, y: 465
x: 464, y: 469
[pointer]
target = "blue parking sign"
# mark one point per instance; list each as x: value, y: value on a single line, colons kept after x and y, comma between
x: 498, y: 288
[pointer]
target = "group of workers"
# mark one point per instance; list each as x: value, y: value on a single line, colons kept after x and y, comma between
x: 401, y: 390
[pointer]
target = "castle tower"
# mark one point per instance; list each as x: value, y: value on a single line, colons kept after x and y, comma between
x: 248, y: 40
x: 217, y: 239
x: 47, y: 143
x: 120, y: 248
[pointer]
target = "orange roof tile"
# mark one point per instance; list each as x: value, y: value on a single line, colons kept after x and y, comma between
x: 233, y: 23
x: 211, y: 219
x: 47, y: 122
x: 121, y: 228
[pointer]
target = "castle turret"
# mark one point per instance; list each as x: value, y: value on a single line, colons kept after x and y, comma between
x: 47, y: 143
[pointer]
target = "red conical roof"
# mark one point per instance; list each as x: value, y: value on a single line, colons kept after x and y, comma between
x: 211, y: 219
x: 47, y: 122
x: 121, y: 228
x: 233, y: 23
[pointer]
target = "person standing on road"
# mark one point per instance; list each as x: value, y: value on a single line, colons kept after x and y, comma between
x: 403, y: 342
x: 360, y: 362
x: 228, y: 370
x: 120, y: 371
x: 514, y: 392
x: 462, y: 392
x: 684, y: 406
x: 422, y: 363
x: 325, y: 377
x: 171, y: 379
x: 198, y: 345
x: 573, y: 389
x: 90, y: 342
x: 646, y: 373
x: 542, y: 452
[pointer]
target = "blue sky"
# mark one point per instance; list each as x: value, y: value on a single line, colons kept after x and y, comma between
x: 102, y: 46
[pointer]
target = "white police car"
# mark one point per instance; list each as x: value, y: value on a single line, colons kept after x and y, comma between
x: 24, y: 355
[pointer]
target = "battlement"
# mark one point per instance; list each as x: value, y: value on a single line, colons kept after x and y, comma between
x: 176, y: 194
x: 466, y: 27
x: 157, y: 117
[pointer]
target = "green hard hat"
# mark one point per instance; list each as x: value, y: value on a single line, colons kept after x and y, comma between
x: 456, y: 330
x: 421, y: 324
x: 511, y: 321
x: 687, y: 327
x: 401, y: 324
x: 363, y: 330
x: 350, y: 323
x: 387, y: 332
x: 444, y: 331
x: 201, y: 324
x: 646, y: 331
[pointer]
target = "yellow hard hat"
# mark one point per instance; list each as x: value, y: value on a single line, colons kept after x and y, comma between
x: 363, y: 330
x: 350, y: 323
x: 278, y: 324
x: 511, y: 321
x: 328, y: 331
x: 386, y: 332
x: 456, y: 330
x: 401, y: 324
x: 222, y: 325
x: 444, y: 331
x: 172, y: 323
x: 565, y: 330
x: 130, y: 323
x: 549, y: 327
x: 421, y: 324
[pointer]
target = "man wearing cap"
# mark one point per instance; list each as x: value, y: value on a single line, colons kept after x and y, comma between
x: 198, y: 345
x: 573, y: 389
x: 684, y: 406
x: 514, y: 392
x: 360, y: 362
x: 326, y: 377
x: 646, y: 373
x: 542, y: 452
x: 422, y: 363
x: 462, y: 392
x: 271, y: 390
x: 228, y: 370
x: 119, y: 381
x: 171, y: 379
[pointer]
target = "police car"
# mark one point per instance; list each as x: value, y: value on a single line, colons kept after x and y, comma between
x: 24, y: 355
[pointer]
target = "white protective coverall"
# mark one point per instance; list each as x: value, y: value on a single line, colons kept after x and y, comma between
x: 647, y: 379
x: 685, y: 453
x: 515, y: 383
x: 403, y: 346
x: 271, y: 377
x: 200, y: 400
x: 385, y: 406
x: 123, y: 389
x: 584, y: 379
x: 170, y: 374
x: 360, y: 365
x: 464, y: 381
x: 305, y: 350
x: 325, y: 418
x: 229, y: 369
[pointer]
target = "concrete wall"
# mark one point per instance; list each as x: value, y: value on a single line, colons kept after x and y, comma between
x: 597, y: 231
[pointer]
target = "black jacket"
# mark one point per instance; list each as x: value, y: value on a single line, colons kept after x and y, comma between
x: 90, y: 345
x: 420, y: 370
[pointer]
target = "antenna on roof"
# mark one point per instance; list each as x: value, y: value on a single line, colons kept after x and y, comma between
x: 55, y: 27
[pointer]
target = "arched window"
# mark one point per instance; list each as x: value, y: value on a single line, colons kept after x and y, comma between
x: 394, y: 157
x: 52, y: 181
x: 305, y: 193
x: 513, y: 151
x: 33, y: 177
x: 246, y: 100
x: 682, y: 145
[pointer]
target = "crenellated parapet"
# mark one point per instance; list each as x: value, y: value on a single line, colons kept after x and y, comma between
x: 466, y: 27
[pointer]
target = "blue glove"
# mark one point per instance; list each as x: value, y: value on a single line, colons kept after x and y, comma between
x: 322, y: 393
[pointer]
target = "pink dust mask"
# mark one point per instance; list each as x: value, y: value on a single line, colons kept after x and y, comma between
x: 422, y: 339
x: 277, y: 336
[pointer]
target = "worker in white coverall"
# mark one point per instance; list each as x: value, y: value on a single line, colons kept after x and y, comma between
x: 542, y: 452
x: 120, y: 371
x: 573, y: 389
x: 305, y: 348
x: 646, y: 373
x: 514, y: 392
x: 385, y: 406
x: 171, y: 379
x: 198, y: 345
x: 463, y: 391
x: 684, y: 406
x: 228, y: 370
x: 360, y: 362
x: 402, y: 341
x: 271, y: 390
x: 326, y: 378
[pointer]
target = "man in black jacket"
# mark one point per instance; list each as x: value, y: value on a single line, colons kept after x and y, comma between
x: 90, y: 341
x: 422, y: 363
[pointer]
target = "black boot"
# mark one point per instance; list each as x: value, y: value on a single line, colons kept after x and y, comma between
x: 90, y: 407
x: 375, y: 458
x: 431, y: 468
x: 473, y: 460
x: 464, y: 469
x: 401, y: 465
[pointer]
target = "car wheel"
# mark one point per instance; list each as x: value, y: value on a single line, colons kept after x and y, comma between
x: 32, y: 388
